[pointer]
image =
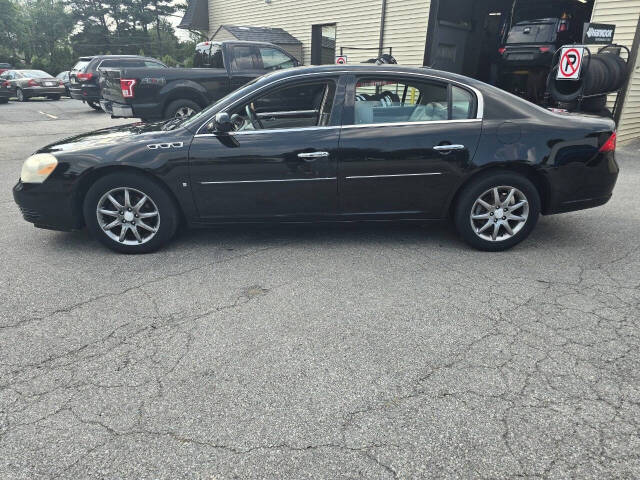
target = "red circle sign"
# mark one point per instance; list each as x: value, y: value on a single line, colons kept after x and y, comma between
x: 571, y: 67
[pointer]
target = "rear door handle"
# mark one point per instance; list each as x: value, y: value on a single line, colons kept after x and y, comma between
x: 310, y: 157
x: 448, y: 148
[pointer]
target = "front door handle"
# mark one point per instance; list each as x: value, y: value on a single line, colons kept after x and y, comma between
x: 310, y: 157
x: 448, y: 148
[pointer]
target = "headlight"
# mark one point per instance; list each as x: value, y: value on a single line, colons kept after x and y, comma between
x: 38, y: 167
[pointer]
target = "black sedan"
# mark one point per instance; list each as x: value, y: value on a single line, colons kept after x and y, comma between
x: 33, y: 83
x: 362, y: 143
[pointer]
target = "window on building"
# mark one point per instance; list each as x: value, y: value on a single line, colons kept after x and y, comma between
x: 323, y: 44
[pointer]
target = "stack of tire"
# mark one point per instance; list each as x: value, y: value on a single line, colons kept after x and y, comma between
x: 601, y: 74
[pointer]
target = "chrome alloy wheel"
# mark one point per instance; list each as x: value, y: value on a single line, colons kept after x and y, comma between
x: 128, y: 216
x: 184, y: 112
x: 499, y: 214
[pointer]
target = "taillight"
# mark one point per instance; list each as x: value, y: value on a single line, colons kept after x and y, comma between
x: 84, y: 77
x: 563, y: 27
x: 544, y: 49
x: 501, y: 50
x: 32, y: 83
x: 610, y: 145
x: 6, y: 84
x: 127, y: 84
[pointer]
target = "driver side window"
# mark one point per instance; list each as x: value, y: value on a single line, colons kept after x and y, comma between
x: 296, y: 106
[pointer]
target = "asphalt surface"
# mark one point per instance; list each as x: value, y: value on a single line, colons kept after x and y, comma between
x: 360, y: 351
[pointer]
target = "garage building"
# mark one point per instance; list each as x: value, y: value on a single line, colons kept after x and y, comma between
x: 456, y: 35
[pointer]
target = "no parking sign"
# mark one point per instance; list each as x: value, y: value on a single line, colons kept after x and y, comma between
x: 570, y: 63
x: 341, y: 59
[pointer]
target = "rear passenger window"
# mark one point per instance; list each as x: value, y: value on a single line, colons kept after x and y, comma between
x: 461, y: 104
x: 392, y: 101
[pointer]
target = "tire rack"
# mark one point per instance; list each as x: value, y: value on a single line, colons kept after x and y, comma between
x: 583, y: 74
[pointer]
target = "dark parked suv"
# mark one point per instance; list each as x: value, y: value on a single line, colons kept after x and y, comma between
x: 532, y: 43
x: 85, y: 75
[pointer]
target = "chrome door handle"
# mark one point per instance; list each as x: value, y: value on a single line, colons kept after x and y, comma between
x: 310, y: 157
x: 448, y: 148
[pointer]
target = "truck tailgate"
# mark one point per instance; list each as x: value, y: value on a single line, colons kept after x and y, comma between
x: 110, y: 85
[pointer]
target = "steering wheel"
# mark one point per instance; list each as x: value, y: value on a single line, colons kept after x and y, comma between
x: 251, y: 113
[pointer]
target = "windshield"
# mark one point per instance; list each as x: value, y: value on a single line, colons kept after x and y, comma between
x: 35, y: 74
x: 211, y: 109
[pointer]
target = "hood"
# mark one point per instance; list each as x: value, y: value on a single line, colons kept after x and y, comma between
x: 107, y: 138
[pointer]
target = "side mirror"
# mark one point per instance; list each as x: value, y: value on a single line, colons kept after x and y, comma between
x: 222, y: 123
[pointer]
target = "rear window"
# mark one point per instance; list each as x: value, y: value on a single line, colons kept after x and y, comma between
x: 81, y: 66
x: 208, y: 56
x: 532, y: 33
x: 35, y: 74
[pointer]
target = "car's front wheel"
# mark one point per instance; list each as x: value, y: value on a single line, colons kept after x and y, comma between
x: 130, y: 213
x: 497, y: 211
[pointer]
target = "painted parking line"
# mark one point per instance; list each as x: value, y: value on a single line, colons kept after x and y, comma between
x: 48, y: 115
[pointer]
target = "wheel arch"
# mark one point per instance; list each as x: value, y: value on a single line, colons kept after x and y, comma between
x: 528, y: 171
x: 85, y: 182
x: 183, y: 93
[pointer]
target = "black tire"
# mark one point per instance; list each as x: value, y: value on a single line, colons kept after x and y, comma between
x: 21, y: 96
x: 174, y: 107
x: 167, y: 218
x: 594, y: 104
x: 54, y: 97
x: 466, y: 201
x: 4, y: 100
x: 95, y: 106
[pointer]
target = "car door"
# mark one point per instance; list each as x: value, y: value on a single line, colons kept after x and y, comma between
x: 404, y: 144
x: 278, y: 162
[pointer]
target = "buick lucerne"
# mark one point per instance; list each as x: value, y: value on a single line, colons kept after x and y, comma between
x: 329, y: 143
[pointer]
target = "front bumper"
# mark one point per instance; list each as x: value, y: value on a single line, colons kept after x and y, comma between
x: 46, y: 206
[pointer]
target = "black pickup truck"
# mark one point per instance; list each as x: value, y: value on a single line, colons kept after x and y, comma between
x: 162, y: 93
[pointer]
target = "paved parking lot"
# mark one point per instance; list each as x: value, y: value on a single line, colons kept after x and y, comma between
x: 358, y: 351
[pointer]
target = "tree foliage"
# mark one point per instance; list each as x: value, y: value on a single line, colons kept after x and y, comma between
x: 52, y: 34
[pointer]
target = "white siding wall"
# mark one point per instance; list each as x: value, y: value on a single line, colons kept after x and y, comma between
x: 624, y: 14
x: 358, y: 23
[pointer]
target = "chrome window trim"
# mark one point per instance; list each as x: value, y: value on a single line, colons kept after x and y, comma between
x: 275, y: 130
x: 478, y: 93
x: 427, y: 174
x: 395, y: 124
x: 271, y: 181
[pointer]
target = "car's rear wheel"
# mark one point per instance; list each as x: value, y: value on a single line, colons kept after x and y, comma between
x: 54, y: 97
x: 497, y: 211
x: 95, y: 106
x: 4, y: 100
x: 130, y: 213
x: 181, y: 108
x: 21, y: 96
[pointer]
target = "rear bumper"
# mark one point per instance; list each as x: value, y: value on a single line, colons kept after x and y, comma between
x: 46, y: 206
x: 42, y: 91
x: 117, y: 110
x: 148, y: 111
x: 86, y: 93
x: 579, y: 186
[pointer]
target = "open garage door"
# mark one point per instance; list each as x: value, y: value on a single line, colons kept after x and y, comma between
x: 469, y: 37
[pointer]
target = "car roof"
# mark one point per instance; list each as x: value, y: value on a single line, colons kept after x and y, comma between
x: 376, y: 69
